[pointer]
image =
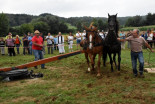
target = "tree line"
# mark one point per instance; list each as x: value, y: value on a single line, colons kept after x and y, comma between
x: 137, y: 21
x: 23, y: 23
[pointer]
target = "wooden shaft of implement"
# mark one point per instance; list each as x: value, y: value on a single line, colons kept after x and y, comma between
x: 43, y: 61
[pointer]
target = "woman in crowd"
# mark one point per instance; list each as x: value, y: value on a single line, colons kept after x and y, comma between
x: 150, y: 38
x: 10, y: 43
x: 17, y: 43
x: 70, y: 39
x: 2, y: 46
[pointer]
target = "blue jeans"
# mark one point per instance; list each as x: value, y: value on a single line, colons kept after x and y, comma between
x: 30, y: 49
x: 17, y: 46
x: 134, y: 57
x: 39, y: 55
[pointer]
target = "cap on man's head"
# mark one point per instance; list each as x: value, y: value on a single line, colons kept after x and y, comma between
x: 36, y: 32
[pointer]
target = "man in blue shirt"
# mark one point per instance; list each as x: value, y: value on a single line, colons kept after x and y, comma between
x: 30, y: 43
x: 55, y: 42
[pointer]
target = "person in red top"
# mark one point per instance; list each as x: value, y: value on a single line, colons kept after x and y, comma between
x: 37, y: 45
x: 17, y: 43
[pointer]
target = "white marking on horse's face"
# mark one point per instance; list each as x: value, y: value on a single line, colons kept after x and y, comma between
x: 90, y: 40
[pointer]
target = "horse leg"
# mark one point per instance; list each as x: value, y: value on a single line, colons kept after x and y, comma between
x: 98, y: 69
x: 111, y: 62
x: 119, y: 60
x: 114, y: 59
x: 92, y: 61
x: 86, y: 56
x: 104, y: 58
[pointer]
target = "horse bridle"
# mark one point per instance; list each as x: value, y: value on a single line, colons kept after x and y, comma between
x: 94, y: 43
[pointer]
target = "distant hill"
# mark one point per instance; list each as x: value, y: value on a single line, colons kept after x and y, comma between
x: 18, y: 19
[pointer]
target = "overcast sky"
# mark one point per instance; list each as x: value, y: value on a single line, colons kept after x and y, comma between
x: 73, y: 8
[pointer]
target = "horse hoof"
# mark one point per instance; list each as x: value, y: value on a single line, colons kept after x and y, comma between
x: 89, y: 70
x: 98, y: 75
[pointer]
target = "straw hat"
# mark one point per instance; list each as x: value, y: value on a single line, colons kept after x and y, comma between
x: 36, y: 32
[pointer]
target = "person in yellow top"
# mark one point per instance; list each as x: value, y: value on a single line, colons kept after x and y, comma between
x: 7, y: 37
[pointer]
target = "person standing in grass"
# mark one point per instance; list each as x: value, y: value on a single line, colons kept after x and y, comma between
x: 84, y: 35
x: 136, y: 51
x: 37, y: 45
x: 61, y: 43
x: 122, y: 36
x: 78, y: 39
x: 150, y: 38
x: 154, y: 38
x: 30, y: 43
x: 2, y: 46
x: 17, y: 43
x: 10, y: 44
x: 25, y: 44
x: 70, y: 39
x: 49, y: 39
x: 55, y: 42
x: 42, y: 35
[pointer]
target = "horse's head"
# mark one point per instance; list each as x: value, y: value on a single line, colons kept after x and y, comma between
x: 90, y: 36
x: 112, y: 22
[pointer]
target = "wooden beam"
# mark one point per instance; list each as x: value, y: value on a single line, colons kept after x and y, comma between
x: 39, y: 62
x: 149, y: 70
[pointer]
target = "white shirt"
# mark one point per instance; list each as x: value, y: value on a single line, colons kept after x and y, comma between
x: 150, y: 37
x: 70, y: 38
x: 49, y: 41
x: 78, y: 35
x: 83, y: 36
x: 60, y: 39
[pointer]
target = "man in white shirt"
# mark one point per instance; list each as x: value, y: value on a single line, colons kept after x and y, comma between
x: 84, y: 35
x: 49, y: 39
x: 61, y: 43
x: 78, y: 39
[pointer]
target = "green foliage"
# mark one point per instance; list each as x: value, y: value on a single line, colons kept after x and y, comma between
x: 42, y: 27
x: 4, y: 24
x: 79, y: 26
x: 142, y: 28
x: 102, y: 25
x: 25, y: 28
x: 134, y: 21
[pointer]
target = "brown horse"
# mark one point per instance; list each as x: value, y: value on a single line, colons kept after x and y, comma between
x: 92, y: 45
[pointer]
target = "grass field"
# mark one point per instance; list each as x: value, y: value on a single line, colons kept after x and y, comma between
x: 66, y: 82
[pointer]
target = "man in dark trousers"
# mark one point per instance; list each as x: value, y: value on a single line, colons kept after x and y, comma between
x: 25, y: 44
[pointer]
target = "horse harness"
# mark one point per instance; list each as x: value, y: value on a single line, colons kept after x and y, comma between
x: 87, y: 42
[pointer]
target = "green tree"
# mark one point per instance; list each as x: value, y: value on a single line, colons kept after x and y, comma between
x: 4, y: 24
x: 63, y: 27
x: 25, y: 28
x: 42, y: 27
x: 79, y: 26
x: 100, y: 24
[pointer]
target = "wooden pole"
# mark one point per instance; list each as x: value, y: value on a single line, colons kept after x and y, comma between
x: 39, y: 62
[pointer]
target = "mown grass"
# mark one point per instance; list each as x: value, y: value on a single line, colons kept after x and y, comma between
x: 66, y: 82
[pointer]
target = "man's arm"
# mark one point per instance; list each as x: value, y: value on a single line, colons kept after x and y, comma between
x: 37, y: 44
x: 122, y: 40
